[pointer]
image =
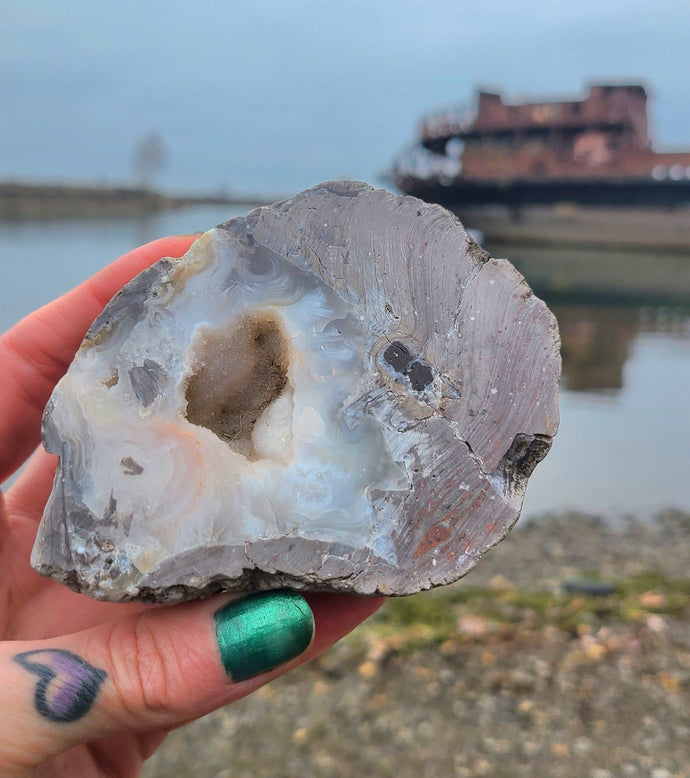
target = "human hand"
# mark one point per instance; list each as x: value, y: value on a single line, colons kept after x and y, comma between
x: 90, y: 688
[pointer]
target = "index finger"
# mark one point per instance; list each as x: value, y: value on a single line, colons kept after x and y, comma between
x: 37, y: 351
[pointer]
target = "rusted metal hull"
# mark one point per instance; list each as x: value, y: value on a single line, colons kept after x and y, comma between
x: 586, y: 191
x: 654, y: 230
x: 649, y: 217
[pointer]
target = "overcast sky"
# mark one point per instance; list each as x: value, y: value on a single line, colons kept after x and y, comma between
x: 276, y: 95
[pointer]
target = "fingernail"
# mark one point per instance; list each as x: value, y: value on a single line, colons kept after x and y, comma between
x: 262, y: 631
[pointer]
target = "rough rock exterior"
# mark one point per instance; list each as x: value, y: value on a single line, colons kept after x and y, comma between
x: 337, y: 392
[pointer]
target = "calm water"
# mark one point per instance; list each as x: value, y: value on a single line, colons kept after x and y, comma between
x: 624, y: 442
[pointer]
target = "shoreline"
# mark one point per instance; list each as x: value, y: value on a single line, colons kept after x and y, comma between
x: 65, y: 201
x: 504, y: 674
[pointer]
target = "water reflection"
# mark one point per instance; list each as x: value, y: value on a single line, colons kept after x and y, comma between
x: 603, y: 301
x: 625, y: 328
x: 611, y: 278
x: 596, y: 340
x: 595, y: 344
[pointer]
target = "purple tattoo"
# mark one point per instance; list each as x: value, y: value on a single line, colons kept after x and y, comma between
x: 67, y: 685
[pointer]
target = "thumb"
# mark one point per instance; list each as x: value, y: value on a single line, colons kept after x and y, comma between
x: 155, y: 669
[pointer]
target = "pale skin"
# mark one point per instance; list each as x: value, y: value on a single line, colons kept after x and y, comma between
x: 141, y: 670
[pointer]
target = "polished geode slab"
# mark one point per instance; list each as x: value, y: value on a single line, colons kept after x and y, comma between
x: 337, y: 392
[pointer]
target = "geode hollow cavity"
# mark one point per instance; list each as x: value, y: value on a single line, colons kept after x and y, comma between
x: 337, y: 392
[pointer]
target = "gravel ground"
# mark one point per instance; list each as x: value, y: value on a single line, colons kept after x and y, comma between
x: 503, y: 674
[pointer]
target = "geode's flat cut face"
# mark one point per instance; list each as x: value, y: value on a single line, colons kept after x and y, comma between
x: 337, y: 392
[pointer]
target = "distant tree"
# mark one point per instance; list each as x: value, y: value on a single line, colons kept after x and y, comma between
x: 149, y: 159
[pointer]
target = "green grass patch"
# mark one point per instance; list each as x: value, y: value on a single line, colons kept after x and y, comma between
x: 433, y: 617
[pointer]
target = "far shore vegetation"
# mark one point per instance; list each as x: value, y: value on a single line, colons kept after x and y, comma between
x: 54, y: 201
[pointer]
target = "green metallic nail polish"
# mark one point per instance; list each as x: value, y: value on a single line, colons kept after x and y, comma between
x: 262, y: 631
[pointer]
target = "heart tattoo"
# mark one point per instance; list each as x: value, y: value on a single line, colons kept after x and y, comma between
x: 67, y: 685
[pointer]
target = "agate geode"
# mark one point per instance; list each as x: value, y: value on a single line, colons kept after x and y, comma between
x: 337, y: 392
